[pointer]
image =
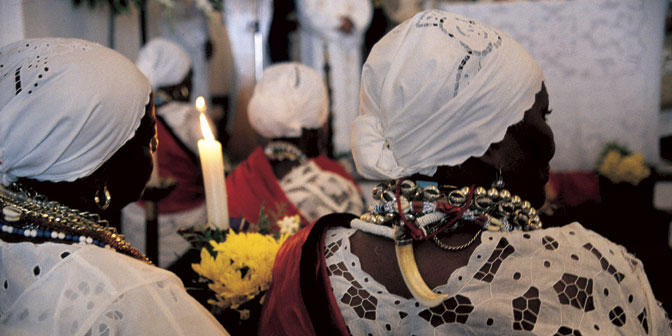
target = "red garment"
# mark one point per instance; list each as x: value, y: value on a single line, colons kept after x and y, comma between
x: 574, y: 188
x: 300, y: 300
x: 178, y: 162
x: 253, y: 182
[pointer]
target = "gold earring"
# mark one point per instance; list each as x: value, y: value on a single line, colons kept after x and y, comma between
x: 102, y: 204
x: 499, y: 181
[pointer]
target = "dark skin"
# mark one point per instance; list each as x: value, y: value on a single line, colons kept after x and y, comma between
x: 125, y: 174
x: 522, y: 156
x: 309, y: 143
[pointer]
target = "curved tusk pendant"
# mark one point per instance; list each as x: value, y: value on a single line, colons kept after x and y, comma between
x: 416, y: 285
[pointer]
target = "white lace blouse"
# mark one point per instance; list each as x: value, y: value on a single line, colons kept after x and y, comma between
x: 59, y: 289
x: 570, y: 280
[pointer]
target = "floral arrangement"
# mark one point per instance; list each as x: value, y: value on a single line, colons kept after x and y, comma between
x: 237, y: 266
x: 240, y: 269
x: 619, y: 164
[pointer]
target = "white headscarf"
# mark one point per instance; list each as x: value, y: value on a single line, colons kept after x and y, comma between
x: 66, y: 106
x: 436, y: 90
x: 164, y: 63
x: 289, y: 96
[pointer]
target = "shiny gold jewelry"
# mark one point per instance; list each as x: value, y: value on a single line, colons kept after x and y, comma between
x: 32, y: 215
x: 447, y: 247
x: 404, y: 212
x: 102, y: 203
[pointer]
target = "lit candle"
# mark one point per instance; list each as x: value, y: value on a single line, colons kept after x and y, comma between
x: 212, y: 163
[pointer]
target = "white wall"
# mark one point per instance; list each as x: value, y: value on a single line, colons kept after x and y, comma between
x: 59, y: 18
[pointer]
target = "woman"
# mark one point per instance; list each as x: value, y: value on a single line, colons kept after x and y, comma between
x: 453, y: 114
x: 331, y: 38
x: 168, y: 68
x: 289, y: 107
x: 78, y: 135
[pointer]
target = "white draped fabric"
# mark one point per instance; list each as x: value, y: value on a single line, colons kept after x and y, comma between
x: 602, y: 66
x: 239, y: 18
x: 574, y: 282
x: 188, y: 27
x: 58, y: 289
x: 319, y: 21
x: 317, y: 193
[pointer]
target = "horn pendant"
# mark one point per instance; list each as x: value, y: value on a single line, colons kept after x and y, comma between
x: 416, y: 285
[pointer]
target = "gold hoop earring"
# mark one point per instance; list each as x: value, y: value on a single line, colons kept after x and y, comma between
x: 102, y: 203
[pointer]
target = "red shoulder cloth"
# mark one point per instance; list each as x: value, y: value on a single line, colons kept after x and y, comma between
x: 253, y: 183
x: 300, y: 300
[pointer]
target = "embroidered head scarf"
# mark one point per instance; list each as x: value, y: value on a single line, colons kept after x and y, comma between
x: 66, y: 107
x: 289, y: 96
x: 436, y: 90
x: 164, y: 63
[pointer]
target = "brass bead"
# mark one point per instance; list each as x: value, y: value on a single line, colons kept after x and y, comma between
x: 378, y: 190
x: 534, y: 223
x: 493, y: 193
x: 525, y: 206
x: 378, y: 219
x: 521, y: 219
x: 505, y: 195
x: 465, y: 190
x: 480, y: 191
x: 516, y: 200
x: 389, y: 217
x: 532, y: 212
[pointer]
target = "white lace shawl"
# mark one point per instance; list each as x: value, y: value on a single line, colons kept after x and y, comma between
x: 575, y: 282
x: 58, y: 289
x: 316, y: 192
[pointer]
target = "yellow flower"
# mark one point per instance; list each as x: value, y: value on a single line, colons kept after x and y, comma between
x: 241, y: 268
x: 632, y: 169
x: 609, y: 165
x: 617, y: 168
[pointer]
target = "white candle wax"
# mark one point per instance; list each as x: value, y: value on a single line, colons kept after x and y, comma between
x: 212, y: 163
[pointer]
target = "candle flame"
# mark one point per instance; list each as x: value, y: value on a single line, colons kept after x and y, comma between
x: 200, y: 104
x: 205, y: 128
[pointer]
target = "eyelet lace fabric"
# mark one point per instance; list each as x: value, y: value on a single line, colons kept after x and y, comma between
x: 58, y: 289
x: 558, y: 281
x: 316, y: 192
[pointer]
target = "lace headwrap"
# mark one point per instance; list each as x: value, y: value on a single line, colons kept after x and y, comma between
x: 289, y: 96
x: 66, y: 107
x: 164, y: 63
x: 436, y: 90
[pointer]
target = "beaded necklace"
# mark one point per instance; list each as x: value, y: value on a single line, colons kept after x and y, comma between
x: 32, y: 215
x: 403, y: 211
x: 282, y: 150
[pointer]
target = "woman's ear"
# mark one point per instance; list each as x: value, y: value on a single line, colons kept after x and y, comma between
x: 494, y: 156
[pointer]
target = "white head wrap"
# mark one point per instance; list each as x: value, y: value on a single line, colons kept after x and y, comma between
x: 164, y: 63
x: 436, y: 90
x: 289, y: 96
x: 66, y: 107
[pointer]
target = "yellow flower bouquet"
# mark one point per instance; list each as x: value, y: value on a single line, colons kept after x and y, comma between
x: 625, y: 177
x: 618, y: 164
x: 239, y: 268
